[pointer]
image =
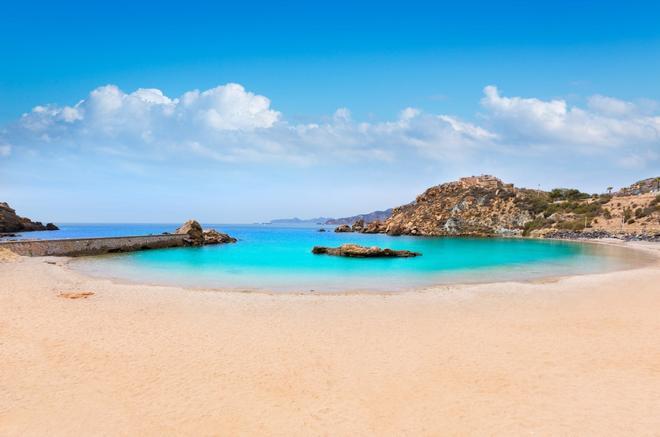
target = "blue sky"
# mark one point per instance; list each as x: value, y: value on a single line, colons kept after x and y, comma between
x: 339, y: 108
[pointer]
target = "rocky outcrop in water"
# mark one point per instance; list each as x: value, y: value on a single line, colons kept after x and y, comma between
x: 375, y: 227
x: 11, y: 222
x: 211, y: 236
x: 343, y: 228
x: 196, y: 236
x: 357, y: 251
x: 193, y: 230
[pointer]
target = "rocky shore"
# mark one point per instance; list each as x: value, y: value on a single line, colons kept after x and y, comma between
x: 597, y: 235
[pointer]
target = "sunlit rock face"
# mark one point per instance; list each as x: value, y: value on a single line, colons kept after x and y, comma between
x: 476, y: 205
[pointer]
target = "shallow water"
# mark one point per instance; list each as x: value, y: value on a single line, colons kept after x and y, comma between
x: 279, y: 258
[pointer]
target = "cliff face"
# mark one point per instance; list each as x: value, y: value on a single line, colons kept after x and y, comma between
x: 11, y: 222
x: 481, y: 205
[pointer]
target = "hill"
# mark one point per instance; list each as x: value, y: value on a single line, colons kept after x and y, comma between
x: 486, y: 206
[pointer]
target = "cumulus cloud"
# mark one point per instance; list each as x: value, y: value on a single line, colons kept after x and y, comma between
x: 610, y: 123
x: 231, y: 124
x: 228, y: 123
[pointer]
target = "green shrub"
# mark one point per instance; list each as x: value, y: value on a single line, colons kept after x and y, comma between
x: 592, y: 208
x: 607, y: 214
x: 567, y: 194
x: 572, y: 225
x: 627, y: 214
x: 537, y: 223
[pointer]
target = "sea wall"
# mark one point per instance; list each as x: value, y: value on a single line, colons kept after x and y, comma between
x: 92, y: 246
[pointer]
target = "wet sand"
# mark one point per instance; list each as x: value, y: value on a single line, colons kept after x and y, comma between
x: 572, y: 356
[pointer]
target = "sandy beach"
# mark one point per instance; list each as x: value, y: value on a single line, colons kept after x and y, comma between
x: 86, y: 356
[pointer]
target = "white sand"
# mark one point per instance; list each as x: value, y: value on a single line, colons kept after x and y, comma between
x: 578, y: 356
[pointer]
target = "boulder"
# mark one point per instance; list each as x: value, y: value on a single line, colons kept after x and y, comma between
x: 194, y: 231
x: 358, y: 226
x: 321, y: 230
x: 343, y: 228
x: 375, y: 227
x: 196, y: 236
x: 394, y: 229
x: 51, y: 227
x: 211, y: 236
x: 357, y: 251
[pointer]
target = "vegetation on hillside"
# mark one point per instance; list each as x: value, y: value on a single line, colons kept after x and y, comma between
x: 581, y: 208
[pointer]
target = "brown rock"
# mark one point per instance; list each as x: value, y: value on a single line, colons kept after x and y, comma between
x: 11, y: 222
x: 211, y: 236
x: 358, y: 226
x: 375, y: 227
x: 199, y: 237
x: 357, y: 251
x: 193, y: 229
x: 476, y: 205
x: 343, y: 228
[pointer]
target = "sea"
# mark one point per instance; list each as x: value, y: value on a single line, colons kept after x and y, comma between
x: 278, y: 257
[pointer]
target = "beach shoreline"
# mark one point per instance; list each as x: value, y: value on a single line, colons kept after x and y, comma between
x: 73, y: 264
x: 568, y: 355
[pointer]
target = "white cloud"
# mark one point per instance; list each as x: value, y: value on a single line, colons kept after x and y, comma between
x: 610, y: 123
x: 228, y: 107
x: 230, y: 124
x: 610, y: 105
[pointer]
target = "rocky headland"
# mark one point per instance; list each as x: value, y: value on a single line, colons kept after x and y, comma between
x: 10, y: 222
x: 196, y: 236
x: 357, y: 251
x: 486, y: 206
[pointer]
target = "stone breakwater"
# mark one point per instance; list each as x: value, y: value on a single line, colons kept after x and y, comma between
x: 93, y: 246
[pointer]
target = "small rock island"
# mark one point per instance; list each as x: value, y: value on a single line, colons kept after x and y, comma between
x: 196, y: 236
x: 357, y: 251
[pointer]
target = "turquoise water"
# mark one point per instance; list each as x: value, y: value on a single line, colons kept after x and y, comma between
x: 280, y: 258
